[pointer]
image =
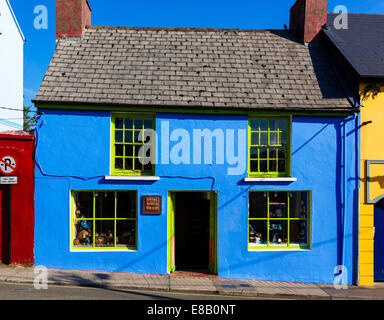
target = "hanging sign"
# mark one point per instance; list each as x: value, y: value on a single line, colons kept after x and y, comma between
x: 7, y: 165
x: 151, y: 205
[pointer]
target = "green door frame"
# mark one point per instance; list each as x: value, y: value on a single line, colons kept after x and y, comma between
x: 213, y: 231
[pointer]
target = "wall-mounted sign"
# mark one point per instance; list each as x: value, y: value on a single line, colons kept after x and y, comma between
x: 8, y: 180
x: 7, y: 165
x: 151, y: 205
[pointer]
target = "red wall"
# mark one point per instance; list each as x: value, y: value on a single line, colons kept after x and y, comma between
x: 20, y: 146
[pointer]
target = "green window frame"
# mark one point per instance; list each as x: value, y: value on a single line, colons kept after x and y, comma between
x: 104, y: 220
x: 125, y: 144
x: 269, y: 147
x: 279, y: 220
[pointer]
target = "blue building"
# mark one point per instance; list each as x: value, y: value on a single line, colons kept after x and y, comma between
x: 230, y: 152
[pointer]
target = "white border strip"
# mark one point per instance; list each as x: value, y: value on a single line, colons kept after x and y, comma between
x: 270, y: 179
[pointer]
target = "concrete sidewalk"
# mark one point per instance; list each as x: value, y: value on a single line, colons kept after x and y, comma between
x: 192, y: 284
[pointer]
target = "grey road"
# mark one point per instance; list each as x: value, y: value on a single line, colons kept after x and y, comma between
x: 28, y: 292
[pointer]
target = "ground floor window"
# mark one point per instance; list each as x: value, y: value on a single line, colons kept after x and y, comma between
x: 278, y: 219
x: 104, y: 219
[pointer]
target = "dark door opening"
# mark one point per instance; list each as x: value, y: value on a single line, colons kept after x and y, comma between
x: 192, y: 227
x: 5, y: 226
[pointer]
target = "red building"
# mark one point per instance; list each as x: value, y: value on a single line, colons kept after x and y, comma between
x: 16, y: 197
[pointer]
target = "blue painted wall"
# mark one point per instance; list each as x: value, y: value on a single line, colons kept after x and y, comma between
x: 73, y: 153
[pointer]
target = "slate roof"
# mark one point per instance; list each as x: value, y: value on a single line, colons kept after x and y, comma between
x: 362, y: 43
x: 194, y: 68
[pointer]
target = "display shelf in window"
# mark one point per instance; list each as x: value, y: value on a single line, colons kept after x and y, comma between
x: 278, y: 220
x: 104, y: 220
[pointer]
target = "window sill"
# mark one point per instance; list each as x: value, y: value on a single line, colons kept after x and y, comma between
x: 277, y: 249
x: 132, y: 178
x: 281, y: 179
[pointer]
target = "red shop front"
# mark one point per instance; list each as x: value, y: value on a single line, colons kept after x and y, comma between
x: 16, y: 197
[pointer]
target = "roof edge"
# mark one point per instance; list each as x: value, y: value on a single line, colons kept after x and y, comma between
x: 58, y: 104
x: 15, y: 20
x: 183, y: 29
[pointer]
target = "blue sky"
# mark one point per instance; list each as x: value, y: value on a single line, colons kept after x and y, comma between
x: 247, y: 14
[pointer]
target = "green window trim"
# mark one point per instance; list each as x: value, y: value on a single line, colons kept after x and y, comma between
x: 125, y: 128
x: 93, y: 220
x: 269, y: 146
x: 285, y: 245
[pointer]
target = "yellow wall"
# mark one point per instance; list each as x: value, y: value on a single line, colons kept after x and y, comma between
x: 372, y: 148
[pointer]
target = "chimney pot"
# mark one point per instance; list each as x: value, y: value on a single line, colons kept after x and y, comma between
x: 72, y: 16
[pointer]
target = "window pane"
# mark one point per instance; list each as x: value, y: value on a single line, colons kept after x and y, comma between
x: 263, y: 153
x: 148, y: 167
x: 104, y: 236
x: 258, y: 205
x: 128, y: 123
x: 128, y: 136
x: 298, y: 204
x: 278, y: 233
x: 126, y: 233
x: 104, y: 204
x: 119, y: 164
x: 254, y: 166
x: 272, y: 153
x: 119, y: 136
x: 82, y: 229
x: 281, y: 153
x: 254, y: 125
x: 283, y: 139
x: 147, y: 123
x: 263, y: 125
x: 254, y: 153
x: 283, y: 125
x: 272, y: 125
x: 273, y: 138
x: 126, y: 205
x: 82, y: 233
x: 137, y: 140
x: 83, y: 205
x: 263, y: 166
x: 298, y: 233
x: 119, y: 123
x: 129, y: 151
x: 138, y: 124
x: 258, y: 232
x: 138, y: 165
x: 282, y: 166
x: 264, y: 138
x: 119, y: 150
x: 128, y: 164
x: 255, y: 138
x: 278, y: 204
x: 272, y: 166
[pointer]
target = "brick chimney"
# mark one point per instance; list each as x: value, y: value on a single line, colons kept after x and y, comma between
x: 307, y: 18
x: 72, y: 16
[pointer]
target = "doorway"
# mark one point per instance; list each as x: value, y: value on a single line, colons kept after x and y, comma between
x: 5, y: 225
x: 192, y: 232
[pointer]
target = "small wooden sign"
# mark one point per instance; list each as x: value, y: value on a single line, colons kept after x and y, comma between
x: 152, y: 205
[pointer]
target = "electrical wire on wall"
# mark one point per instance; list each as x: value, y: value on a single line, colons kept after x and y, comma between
x: 38, y: 165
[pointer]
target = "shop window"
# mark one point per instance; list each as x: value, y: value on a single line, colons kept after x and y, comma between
x: 104, y: 220
x: 278, y: 219
x: 269, y: 147
x: 129, y: 135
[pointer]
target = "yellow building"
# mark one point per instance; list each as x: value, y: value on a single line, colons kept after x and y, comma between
x: 358, y: 55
